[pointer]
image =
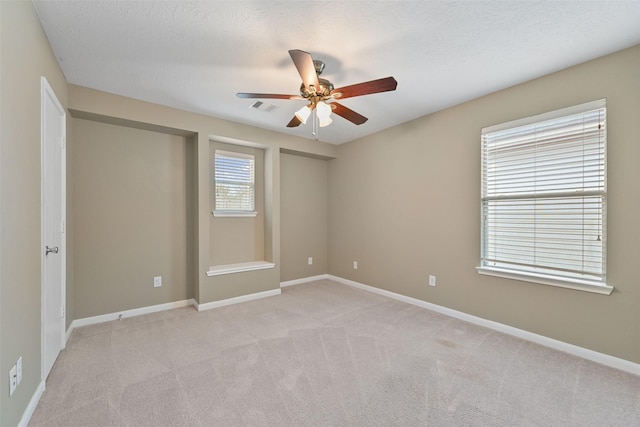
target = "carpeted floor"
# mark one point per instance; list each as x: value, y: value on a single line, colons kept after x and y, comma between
x: 323, y: 354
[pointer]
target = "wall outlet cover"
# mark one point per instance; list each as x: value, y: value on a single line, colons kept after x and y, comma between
x: 13, y: 380
x: 157, y: 281
x: 19, y: 371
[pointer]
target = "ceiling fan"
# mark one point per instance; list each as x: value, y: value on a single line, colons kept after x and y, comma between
x: 321, y: 94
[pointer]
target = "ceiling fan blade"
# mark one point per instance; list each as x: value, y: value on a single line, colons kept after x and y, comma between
x: 267, y: 95
x: 348, y: 113
x: 304, y: 63
x: 294, y: 122
x: 374, y: 86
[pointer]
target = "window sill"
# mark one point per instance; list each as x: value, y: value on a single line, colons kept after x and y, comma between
x: 579, y: 285
x: 218, y: 270
x: 231, y: 214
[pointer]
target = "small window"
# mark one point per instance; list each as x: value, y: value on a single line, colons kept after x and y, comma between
x: 544, y: 198
x: 234, y: 184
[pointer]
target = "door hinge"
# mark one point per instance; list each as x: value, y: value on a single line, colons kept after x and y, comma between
x: 62, y: 141
x: 62, y: 226
x: 62, y: 312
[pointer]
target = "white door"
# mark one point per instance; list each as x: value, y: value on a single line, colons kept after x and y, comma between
x: 53, y: 227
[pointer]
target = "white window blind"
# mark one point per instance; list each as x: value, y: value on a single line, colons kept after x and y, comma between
x: 544, y: 195
x: 234, y: 182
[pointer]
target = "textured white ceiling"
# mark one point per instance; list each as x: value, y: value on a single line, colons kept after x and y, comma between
x: 196, y: 55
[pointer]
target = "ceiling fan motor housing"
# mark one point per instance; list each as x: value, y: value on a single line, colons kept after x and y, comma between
x: 323, y: 91
x: 319, y: 66
x: 317, y: 92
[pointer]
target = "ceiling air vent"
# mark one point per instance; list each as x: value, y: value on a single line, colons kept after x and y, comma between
x: 263, y: 106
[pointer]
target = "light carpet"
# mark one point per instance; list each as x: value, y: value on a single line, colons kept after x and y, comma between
x: 324, y: 354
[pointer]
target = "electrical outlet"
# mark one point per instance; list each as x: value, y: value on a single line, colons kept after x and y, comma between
x: 310, y: 260
x: 432, y: 280
x: 355, y: 265
x: 13, y: 383
x: 19, y: 371
x: 157, y: 281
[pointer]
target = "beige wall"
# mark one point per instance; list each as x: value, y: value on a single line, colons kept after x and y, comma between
x: 304, y: 229
x: 88, y: 103
x: 237, y: 239
x: 25, y: 57
x: 405, y: 203
x: 131, y: 212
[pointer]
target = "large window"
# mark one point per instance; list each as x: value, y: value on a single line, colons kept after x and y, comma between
x: 234, y: 184
x: 544, y: 198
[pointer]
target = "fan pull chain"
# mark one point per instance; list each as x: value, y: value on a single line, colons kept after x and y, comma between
x: 315, y: 124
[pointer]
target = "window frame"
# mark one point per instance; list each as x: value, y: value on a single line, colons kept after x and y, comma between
x: 234, y: 212
x: 546, y: 278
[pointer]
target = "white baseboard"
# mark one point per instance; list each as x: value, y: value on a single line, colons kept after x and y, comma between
x: 594, y: 356
x: 236, y: 300
x: 167, y: 306
x: 31, y: 407
x: 128, y: 313
x: 69, y: 330
x: 303, y: 280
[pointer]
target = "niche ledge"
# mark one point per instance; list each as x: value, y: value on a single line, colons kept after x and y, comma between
x: 218, y: 270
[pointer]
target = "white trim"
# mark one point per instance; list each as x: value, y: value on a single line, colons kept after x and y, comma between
x: 31, y: 407
x: 550, y: 115
x: 575, y: 284
x: 47, y: 92
x: 237, y: 300
x: 594, y: 356
x: 217, y: 270
x: 226, y: 173
x: 303, y: 280
x: 234, y: 214
x: 128, y: 313
x: 516, y: 140
x: 68, y: 334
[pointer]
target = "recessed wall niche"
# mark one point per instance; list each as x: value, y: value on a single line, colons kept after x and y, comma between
x: 237, y: 239
x: 134, y: 212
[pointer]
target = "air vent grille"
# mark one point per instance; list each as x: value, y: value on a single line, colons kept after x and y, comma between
x: 263, y: 106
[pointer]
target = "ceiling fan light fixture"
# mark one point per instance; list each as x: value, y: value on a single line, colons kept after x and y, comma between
x: 303, y: 114
x: 325, y: 122
x: 316, y: 91
x: 324, y: 111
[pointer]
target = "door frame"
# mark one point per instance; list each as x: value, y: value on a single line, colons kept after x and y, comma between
x: 47, y: 92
